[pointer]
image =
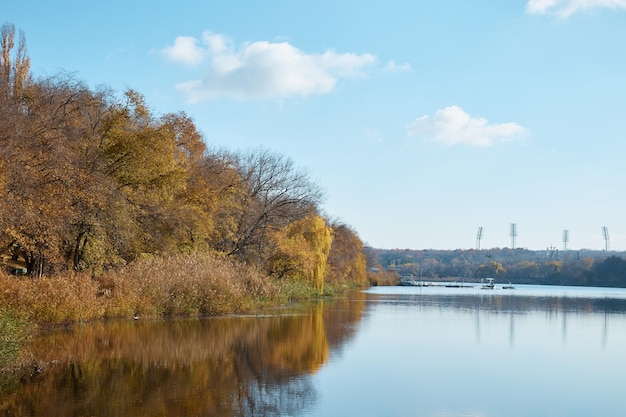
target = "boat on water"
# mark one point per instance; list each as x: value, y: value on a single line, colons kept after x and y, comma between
x: 489, y: 285
x: 408, y: 282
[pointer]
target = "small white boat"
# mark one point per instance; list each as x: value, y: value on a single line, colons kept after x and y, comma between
x: 489, y: 285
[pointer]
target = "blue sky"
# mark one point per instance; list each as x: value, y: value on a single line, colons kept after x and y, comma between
x: 422, y: 121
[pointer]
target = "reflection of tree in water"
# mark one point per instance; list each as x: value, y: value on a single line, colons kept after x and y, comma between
x: 507, y: 302
x: 276, y: 377
x: 242, y: 366
x: 288, y: 398
x: 555, y: 307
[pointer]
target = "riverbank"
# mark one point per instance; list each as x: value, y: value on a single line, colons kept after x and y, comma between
x: 179, y: 286
x: 13, y: 332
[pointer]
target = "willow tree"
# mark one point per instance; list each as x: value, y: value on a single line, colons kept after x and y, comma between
x: 346, y: 260
x: 301, y: 251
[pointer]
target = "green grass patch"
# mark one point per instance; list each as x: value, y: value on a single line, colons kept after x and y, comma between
x: 13, y: 331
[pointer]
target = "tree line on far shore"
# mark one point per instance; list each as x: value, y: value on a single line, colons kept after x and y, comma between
x: 91, y: 182
x: 523, y: 266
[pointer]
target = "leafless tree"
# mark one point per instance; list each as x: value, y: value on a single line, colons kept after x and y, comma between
x: 272, y: 193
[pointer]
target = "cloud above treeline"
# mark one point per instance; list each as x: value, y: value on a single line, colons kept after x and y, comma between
x: 566, y: 8
x: 453, y: 126
x: 262, y: 69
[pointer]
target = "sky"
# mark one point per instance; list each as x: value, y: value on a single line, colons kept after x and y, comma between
x: 422, y: 121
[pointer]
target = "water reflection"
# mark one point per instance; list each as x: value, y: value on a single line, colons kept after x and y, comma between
x: 528, y: 352
x: 237, y: 366
x: 556, y: 306
x: 385, y: 352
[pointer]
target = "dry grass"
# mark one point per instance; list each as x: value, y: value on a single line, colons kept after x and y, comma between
x: 67, y: 298
x: 183, y: 285
x: 382, y: 278
x: 189, y: 285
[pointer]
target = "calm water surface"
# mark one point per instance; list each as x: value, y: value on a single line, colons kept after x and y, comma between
x: 388, y: 351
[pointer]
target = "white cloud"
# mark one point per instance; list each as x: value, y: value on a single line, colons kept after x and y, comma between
x: 394, y: 67
x: 453, y: 126
x: 261, y: 69
x: 185, y: 50
x: 565, y: 8
x: 217, y: 43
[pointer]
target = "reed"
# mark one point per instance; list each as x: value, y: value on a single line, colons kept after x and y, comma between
x: 383, y: 278
x: 70, y: 297
x: 189, y: 285
x: 185, y: 285
x: 182, y: 285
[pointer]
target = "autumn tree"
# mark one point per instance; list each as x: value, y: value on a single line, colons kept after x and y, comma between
x: 301, y: 251
x: 346, y: 260
x: 40, y: 175
x: 140, y: 156
x: 213, y: 196
x: 491, y: 269
x: 189, y: 216
x: 92, y: 181
x: 14, y: 73
x: 271, y: 193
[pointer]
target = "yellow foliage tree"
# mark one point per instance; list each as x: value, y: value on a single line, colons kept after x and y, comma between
x: 491, y: 269
x: 346, y: 260
x: 302, y: 249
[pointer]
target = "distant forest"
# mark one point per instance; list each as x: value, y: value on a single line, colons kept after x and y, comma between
x: 522, y: 266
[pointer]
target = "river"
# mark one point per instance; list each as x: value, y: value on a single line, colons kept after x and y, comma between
x: 387, y: 351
